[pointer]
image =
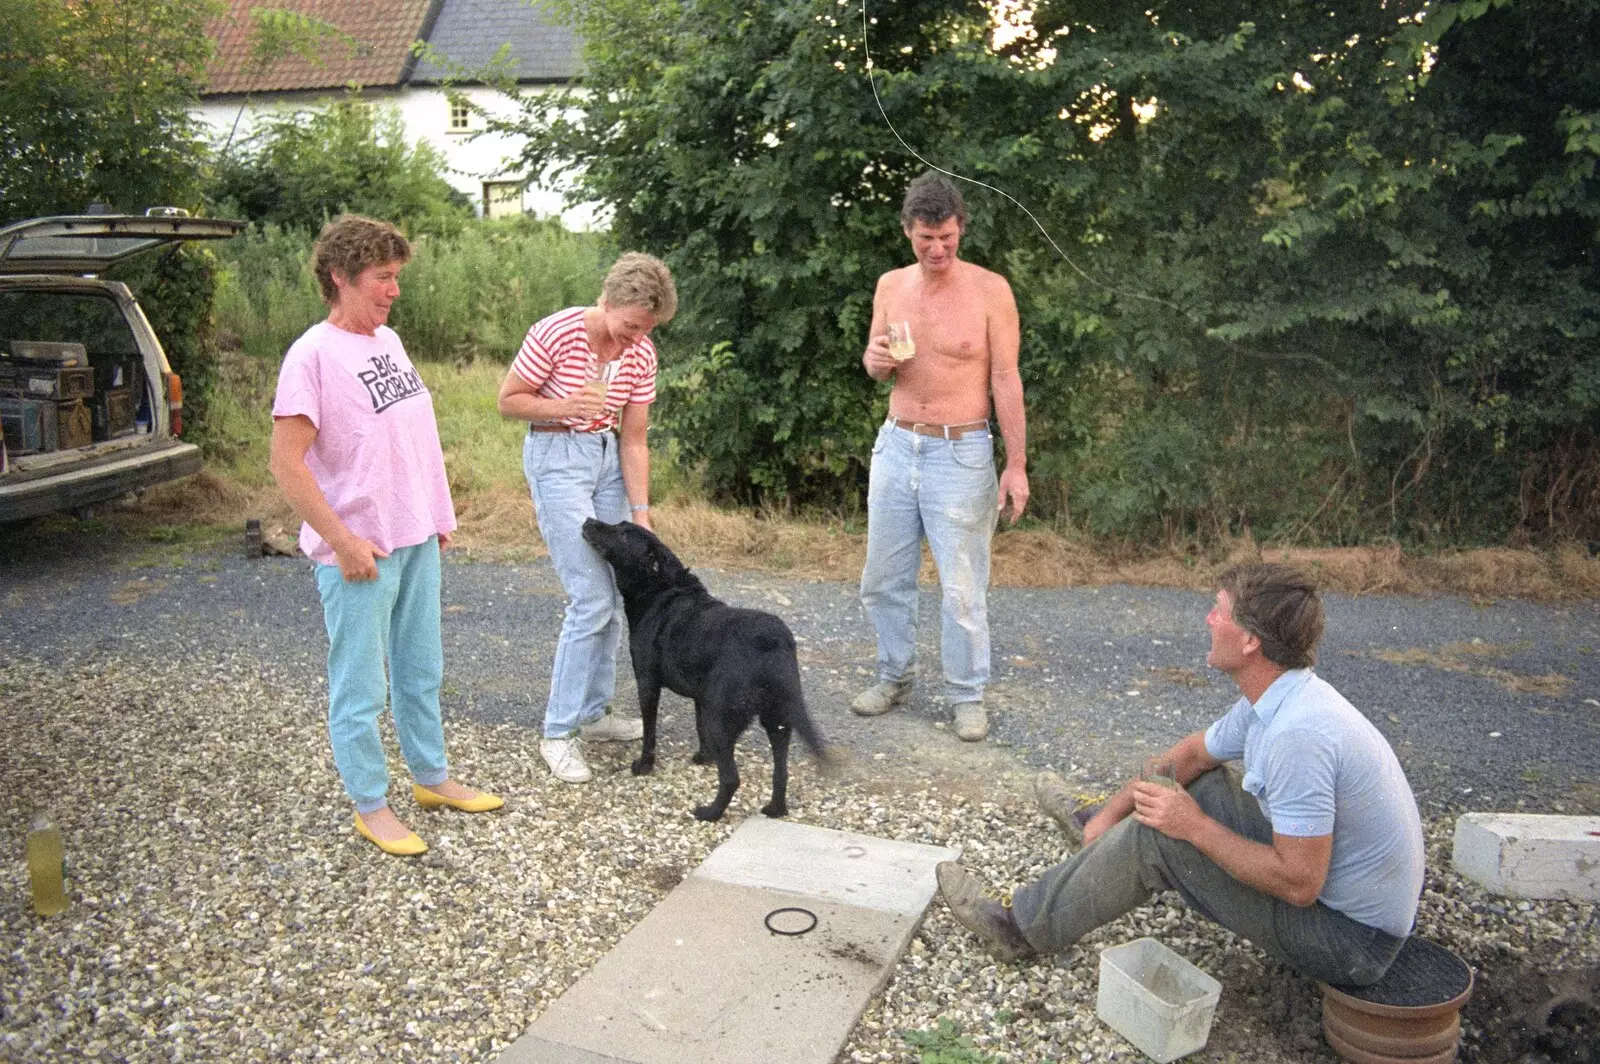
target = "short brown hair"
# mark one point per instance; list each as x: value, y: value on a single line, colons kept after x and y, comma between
x: 1278, y: 604
x: 640, y: 280
x: 931, y: 199
x: 349, y: 244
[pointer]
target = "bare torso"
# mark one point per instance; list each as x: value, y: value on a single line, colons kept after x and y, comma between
x: 947, y: 381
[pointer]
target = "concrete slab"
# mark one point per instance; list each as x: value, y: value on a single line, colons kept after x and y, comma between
x: 1530, y: 855
x: 895, y: 877
x: 701, y: 979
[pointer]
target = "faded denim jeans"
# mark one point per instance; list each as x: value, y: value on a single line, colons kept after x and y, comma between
x: 945, y: 490
x: 1123, y: 868
x: 572, y: 477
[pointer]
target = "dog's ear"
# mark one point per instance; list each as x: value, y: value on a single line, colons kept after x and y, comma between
x: 665, y: 563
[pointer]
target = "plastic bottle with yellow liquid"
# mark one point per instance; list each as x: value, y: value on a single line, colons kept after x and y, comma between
x: 47, y: 865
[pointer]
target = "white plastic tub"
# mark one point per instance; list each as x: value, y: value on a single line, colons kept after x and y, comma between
x: 1156, y: 999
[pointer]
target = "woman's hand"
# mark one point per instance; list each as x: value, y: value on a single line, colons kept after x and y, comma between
x: 585, y: 404
x: 358, y: 559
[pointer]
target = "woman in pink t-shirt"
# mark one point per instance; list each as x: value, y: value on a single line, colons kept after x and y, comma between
x: 584, y: 380
x: 355, y: 449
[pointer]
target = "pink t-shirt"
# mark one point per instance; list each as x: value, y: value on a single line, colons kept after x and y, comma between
x: 376, y: 457
x: 555, y: 359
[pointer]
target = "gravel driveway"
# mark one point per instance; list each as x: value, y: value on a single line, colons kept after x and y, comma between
x: 166, y: 698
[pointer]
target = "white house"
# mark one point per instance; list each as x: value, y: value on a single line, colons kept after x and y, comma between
x: 373, y: 50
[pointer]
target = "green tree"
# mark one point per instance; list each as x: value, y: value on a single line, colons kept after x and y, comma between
x: 96, y: 97
x: 300, y: 168
x: 1312, y: 271
x: 725, y: 138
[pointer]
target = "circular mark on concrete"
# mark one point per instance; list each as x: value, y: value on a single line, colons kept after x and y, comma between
x: 789, y: 910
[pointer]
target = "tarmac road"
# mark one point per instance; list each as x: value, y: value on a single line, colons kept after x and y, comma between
x: 1085, y: 679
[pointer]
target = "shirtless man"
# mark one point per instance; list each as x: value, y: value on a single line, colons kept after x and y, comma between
x: 933, y: 463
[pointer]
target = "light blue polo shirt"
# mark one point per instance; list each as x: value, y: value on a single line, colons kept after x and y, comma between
x: 1318, y: 767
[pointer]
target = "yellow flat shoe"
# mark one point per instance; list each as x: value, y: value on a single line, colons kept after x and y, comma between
x: 434, y: 800
x: 409, y: 846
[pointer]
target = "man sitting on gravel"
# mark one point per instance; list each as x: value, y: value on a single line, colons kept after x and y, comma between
x: 1317, y: 858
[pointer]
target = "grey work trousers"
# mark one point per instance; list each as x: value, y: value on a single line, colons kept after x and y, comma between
x: 1123, y: 868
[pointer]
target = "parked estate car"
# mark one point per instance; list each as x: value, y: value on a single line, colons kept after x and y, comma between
x: 89, y: 406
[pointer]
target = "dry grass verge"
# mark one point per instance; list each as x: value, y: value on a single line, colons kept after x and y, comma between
x: 497, y: 524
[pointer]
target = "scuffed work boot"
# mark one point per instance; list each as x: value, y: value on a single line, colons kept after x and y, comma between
x: 972, y: 721
x: 988, y: 919
x: 881, y: 697
x: 1055, y: 800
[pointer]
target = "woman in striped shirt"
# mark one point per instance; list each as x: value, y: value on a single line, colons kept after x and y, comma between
x: 584, y: 380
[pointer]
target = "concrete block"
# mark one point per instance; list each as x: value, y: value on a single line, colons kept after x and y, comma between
x: 840, y: 866
x: 1529, y: 855
x: 702, y: 980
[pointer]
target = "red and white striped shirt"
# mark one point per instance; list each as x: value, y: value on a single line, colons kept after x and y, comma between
x: 555, y: 360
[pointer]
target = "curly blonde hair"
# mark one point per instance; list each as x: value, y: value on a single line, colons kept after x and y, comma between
x: 640, y: 280
x: 349, y: 244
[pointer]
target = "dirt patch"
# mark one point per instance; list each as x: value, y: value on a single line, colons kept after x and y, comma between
x: 1178, y: 676
x: 1519, y: 1011
x: 134, y: 590
x: 1467, y: 658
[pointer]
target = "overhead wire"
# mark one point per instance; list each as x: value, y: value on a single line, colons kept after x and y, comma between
x: 866, y: 48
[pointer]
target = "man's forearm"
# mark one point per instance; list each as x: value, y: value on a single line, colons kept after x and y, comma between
x: 1255, y: 864
x: 1013, y: 419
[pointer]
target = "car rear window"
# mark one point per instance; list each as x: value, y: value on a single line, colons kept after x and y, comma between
x: 95, y: 321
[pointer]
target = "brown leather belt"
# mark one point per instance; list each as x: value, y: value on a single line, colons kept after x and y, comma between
x: 949, y: 432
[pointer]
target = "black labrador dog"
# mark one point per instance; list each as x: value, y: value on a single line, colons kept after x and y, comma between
x: 736, y: 664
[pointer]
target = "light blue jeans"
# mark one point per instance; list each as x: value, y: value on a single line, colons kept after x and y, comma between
x: 393, y: 621
x: 574, y: 476
x: 945, y: 490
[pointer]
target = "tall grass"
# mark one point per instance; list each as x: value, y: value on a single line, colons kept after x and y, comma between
x: 266, y: 294
x: 483, y: 451
x: 472, y: 295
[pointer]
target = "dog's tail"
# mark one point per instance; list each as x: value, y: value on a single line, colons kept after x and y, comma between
x: 810, y: 736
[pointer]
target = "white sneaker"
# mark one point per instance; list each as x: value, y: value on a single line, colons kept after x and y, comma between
x: 565, y: 758
x: 611, y: 729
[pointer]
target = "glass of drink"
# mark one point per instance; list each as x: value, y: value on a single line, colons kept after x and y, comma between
x: 1158, y: 770
x: 901, y: 346
x: 596, y: 382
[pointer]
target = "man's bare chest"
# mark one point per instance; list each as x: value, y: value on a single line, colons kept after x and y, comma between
x: 948, y: 326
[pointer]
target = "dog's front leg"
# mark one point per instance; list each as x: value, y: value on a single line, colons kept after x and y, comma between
x: 649, y: 701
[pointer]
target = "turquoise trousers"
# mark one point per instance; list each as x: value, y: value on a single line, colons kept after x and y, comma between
x: 384, y: 644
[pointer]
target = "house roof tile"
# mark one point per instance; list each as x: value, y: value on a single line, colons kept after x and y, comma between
x: 469, y: 33
x: 376, y: 52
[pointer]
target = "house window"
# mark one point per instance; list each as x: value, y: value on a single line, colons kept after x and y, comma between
x: 501, y: 199
x: 460, y: 116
